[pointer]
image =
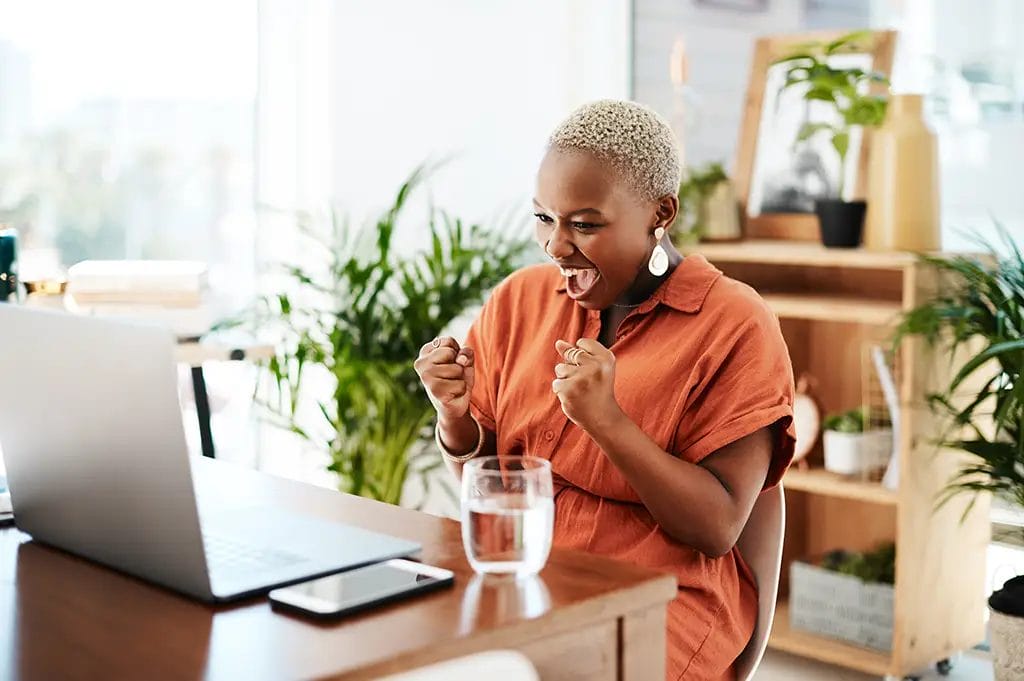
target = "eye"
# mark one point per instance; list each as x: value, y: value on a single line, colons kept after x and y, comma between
x: 585, y: 226
x: 546, y: 219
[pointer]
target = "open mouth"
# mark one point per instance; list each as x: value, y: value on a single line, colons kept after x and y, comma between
x: 579, y: 281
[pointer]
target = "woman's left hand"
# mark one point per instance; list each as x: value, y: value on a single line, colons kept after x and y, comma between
x: 585, y: 384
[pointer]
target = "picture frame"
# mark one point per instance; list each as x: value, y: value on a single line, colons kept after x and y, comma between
x: 770, y: 207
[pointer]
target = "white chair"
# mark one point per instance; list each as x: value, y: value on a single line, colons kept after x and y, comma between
x: 760, y: 544
x: 493, y: 665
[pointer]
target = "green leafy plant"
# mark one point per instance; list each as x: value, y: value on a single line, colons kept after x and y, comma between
x: 877, y: 566
x: 979, y: 310
x: 698, y: 184
x: 851, y: 421
x: 357, y: 317
x: 846, y: 89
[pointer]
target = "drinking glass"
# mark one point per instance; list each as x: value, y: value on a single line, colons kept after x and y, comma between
x: 508, y: 514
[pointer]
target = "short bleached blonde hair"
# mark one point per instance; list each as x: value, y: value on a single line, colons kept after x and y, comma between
x: 637, y: 142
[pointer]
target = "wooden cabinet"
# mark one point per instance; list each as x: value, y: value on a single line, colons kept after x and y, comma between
x: 832, y: 303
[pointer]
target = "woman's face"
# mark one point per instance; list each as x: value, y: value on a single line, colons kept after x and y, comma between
x: 594, y: 227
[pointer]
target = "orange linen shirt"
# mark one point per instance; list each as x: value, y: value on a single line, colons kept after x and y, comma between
x: 699, y: 365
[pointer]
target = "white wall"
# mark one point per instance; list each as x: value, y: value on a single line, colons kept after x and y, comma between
x: 480, y: 82
x: 719, y: 46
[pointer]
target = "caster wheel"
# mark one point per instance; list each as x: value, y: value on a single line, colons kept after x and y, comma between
x: 943, y: 667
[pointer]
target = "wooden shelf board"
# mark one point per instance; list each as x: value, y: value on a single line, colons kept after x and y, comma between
x: 825, y: 649
x: 194, y: 353
x: 833, y: 308
x: 826, y: 483
x: 808, y: 254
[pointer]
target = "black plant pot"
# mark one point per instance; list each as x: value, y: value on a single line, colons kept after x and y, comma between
x: 841, y: 222
x: 1010, y: 599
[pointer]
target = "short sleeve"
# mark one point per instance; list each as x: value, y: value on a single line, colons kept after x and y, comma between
x: 746, y: 384
x: 483, y: 338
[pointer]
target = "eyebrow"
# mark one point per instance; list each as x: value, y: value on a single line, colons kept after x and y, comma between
x: 581, y: 211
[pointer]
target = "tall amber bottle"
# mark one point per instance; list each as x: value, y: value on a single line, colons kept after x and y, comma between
x: 903, y: 181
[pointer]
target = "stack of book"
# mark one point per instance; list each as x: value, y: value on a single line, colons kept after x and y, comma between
x: 173, y: 293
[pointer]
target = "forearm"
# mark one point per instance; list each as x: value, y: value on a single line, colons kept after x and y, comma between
x: 689, y: 502
x: 460, y: 436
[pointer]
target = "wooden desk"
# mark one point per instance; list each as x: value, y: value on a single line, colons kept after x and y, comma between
x: 584, y: 618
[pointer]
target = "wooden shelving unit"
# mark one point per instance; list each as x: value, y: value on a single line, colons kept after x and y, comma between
x: 821, y: 481
x: 803, y: 253
x: 832, y: 308
x: 825, y: 649
x: 831, y: 304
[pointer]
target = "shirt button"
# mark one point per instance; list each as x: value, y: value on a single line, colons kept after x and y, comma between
x: 549, y: 435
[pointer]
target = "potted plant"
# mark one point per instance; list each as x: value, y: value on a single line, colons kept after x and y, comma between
x: 851, y: 447
x: 979, y: 310
x: 358, y: 317
x: 848, y: 91
x: 707, y: 206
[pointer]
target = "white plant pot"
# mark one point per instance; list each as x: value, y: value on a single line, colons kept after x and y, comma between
x: 1006, y: 634
x: 857, y: 453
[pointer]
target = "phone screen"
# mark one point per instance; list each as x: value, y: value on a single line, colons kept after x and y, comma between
x: 362, y: 586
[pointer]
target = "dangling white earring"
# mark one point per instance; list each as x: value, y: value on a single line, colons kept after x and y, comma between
x: 658, y: 264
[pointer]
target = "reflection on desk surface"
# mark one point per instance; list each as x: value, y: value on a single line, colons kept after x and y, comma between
x: 493, y: 600
x: 58, y: 616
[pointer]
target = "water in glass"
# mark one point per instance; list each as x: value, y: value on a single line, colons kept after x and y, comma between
x: 507, y: 514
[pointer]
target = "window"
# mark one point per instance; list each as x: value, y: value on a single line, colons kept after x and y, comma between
x: 126, y: 130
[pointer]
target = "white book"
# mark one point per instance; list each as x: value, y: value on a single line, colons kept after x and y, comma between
x: 184, y: 322
x: 137, y: 277
x: 138, y: 297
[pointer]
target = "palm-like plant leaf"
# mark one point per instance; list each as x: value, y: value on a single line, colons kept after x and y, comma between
x: 358, y: 317
x: 981, y: 301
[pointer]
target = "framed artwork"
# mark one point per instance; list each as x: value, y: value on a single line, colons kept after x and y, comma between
x: 777, y: 177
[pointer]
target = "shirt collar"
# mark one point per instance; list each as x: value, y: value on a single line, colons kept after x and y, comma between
x: 684, y: 290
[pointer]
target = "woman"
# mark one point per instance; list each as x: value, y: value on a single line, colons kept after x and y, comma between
x: 660, y: 390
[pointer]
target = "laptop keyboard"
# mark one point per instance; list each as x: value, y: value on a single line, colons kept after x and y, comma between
x: 226, y: 557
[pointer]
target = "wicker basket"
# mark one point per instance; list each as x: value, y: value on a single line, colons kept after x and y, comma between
x: 837, y: 605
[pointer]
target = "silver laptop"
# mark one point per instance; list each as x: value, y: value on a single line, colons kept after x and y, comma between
x: 97, y: 465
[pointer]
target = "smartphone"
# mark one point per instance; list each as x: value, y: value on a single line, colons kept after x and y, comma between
x: 360, y: 589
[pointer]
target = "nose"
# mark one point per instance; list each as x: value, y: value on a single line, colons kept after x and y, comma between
x: 559, y: 246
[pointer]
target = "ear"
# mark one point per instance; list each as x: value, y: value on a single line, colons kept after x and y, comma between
x: 665, y: 211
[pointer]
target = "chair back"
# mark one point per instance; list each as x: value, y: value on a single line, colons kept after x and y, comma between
x: 760, y: 544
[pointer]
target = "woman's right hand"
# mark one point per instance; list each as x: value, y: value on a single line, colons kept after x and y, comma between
x: 447, y: 372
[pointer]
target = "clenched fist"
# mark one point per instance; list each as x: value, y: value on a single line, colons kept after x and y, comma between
x: 447, y: 373
x: 585, y: 384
